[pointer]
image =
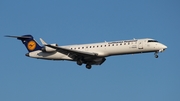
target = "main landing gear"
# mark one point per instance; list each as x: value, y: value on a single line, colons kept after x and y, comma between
x: 156, y: 54
x: 79, y: 62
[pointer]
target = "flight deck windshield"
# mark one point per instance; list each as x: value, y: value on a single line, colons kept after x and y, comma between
x: 152, y: 41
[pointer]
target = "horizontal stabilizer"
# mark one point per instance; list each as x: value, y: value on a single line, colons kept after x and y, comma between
x: 19, y: 37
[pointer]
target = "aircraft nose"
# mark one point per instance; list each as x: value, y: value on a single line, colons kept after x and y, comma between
x: 164, y: 46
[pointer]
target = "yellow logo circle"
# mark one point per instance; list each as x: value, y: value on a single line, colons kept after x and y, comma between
x: 31, y: 45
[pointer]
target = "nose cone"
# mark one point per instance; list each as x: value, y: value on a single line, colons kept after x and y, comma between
x: 164, y: 46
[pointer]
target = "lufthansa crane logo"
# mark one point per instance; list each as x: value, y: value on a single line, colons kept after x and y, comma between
x: 31, y: 45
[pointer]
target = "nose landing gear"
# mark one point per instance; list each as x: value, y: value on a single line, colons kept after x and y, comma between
x: 156, y: 54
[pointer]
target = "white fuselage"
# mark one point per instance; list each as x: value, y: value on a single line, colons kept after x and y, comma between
x: 105, y: 49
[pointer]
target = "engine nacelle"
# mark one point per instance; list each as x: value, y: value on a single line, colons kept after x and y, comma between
x: 49, y: 49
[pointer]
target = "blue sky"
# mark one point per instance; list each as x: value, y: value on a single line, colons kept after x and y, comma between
x: 128, y: 78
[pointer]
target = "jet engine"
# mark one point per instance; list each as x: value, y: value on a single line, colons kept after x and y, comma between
x: 49, y: 49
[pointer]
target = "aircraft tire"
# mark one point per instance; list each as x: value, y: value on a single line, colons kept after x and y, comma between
x: 88, y: 66
x: 156, y: 56
x: 79, y: 63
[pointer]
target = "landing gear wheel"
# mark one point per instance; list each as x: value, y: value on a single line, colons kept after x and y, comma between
x: 156, y: 56
x: 79, y: 63
x: 88, y: 66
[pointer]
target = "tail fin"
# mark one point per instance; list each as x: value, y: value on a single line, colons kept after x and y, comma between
x: 29, y: 42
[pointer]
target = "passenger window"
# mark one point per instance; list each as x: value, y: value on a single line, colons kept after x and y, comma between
x: 124, y: 43
x: 101, y: 45
x: 104, y: 45
x: 90, y: 47
x: 116, y: 44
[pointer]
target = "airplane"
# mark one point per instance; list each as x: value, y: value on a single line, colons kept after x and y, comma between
x: 89, y: 54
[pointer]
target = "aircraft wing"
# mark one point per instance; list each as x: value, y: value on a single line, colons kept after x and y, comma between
x: 74, y: 53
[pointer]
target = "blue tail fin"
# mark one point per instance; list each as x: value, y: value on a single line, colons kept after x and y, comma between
x: 29, y: 42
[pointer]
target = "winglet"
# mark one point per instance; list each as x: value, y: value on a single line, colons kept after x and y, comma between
x: 43, y: 42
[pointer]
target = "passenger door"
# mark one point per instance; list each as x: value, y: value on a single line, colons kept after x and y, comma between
x: 140, y: 44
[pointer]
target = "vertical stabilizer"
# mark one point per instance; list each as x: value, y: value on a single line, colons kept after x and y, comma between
x: 29, y: 42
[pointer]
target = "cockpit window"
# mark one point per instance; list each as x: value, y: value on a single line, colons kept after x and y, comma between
x: 152, y: 41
